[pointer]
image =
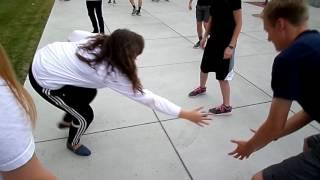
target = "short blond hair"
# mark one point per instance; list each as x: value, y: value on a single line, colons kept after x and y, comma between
x: 294, y: 11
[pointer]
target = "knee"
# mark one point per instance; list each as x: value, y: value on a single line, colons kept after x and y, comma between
x: 89, y: 116
x: 85, y: 115
x: 90, y: 13
x: 257, y: 176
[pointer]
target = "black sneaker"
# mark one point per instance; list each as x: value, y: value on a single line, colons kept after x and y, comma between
x: 222, y: 109
x: 109, y: 1
x: 138, y: 13
x: 198, y: 91
x: 134, y: 11
x: 197, y: 45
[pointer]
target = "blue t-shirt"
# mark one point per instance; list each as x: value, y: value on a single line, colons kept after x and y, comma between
x: 296, y: 73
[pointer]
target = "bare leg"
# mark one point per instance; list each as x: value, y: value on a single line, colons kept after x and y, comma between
x: 140, y: 3
x: 203, y: 79
x: 199, y: 30
x: 132, y: 2
x: 225, y: 91
x: 205, y: 25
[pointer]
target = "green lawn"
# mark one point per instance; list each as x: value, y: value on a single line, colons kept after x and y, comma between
x: 21, y: 25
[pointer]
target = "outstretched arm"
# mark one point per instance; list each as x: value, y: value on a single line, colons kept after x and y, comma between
x: 147, y: 98
x: 274, y: 127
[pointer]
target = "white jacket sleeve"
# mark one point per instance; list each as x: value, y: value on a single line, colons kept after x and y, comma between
x: 147, y: 98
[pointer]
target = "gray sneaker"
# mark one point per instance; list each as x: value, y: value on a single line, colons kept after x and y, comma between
x: 197, y: 45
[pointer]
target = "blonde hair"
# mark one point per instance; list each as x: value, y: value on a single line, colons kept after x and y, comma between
x: 8, y: 75
x: 295, y: 11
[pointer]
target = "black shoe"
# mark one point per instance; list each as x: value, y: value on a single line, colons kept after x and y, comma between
x: 109, y: 1
x: 197, y: 45
x: 138, y: 13
x: 134, y: 11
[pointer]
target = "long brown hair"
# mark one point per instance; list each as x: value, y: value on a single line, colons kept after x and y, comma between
x: 8, y: 75
x: 119, y: 49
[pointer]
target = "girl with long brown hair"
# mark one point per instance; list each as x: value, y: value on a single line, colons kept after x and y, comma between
x: 68, y: 74
x: 17, y: 117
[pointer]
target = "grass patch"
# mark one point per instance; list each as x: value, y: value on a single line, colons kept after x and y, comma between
x: 22, y: 23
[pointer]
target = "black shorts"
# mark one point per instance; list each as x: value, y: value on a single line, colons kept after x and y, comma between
x: 202, y: 13
x: 305, y: 166
x: 212, y: 61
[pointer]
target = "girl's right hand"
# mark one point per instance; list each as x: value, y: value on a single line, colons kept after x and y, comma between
x: 197, y: 116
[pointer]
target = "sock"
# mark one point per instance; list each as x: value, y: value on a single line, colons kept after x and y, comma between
x: 134, y: 7
x: 200, y: 38
x: 139, y: 9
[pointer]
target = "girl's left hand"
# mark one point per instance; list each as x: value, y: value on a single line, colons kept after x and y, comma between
x: 228, y: 52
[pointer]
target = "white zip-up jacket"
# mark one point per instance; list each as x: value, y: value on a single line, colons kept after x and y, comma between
x: 56, y: 65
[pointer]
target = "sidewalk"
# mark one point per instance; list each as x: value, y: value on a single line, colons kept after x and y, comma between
x: 130, y: 141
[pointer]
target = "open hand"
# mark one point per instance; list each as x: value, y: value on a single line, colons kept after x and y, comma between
x: 243, y: 150
x: 197, y: 116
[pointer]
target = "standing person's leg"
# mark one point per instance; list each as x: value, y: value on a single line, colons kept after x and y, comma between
x: 225, y: 91
x: 203, y: 79
x: 224, y: 74
x: 199, y: 19
x: 202, y: 88
x: 139, y: 8
x: 205, y: 68
x: 98, y: 8
x: 90, y: 8
x: 206, y: 17
x: 134, y: 10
